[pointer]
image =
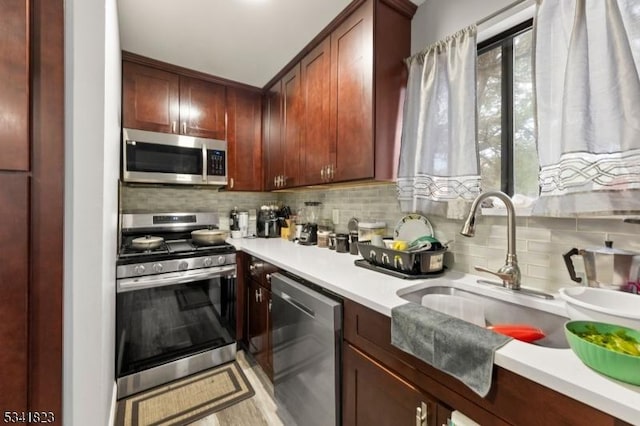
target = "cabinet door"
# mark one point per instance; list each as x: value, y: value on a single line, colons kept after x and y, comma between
x: 318, y: 142
x: 150, y: 98
x: 202, y: 108
x: 14, y: 95
x: 14, y: 275
x: 258, y: 330
x: 291, y: 126
x: 351, y: 86
x: 272, y: 122
x: 373, y: 395
x: 244, y: 140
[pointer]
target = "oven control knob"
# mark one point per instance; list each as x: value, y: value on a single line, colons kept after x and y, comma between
x: 207, y: 261
x: 221, y: 260
x: 157, y: 267
x: 139, y: 270
x: 183, y: 265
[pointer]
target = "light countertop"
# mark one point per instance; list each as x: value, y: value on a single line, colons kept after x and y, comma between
x: 557, y: 369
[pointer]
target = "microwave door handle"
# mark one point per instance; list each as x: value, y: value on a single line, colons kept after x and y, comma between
x: 204, y: 162
x: 129, y: 284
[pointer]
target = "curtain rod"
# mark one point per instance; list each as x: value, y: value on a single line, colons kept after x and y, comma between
x: 504, y: 9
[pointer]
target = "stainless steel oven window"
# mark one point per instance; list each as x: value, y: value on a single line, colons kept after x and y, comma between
x: 159, y: 324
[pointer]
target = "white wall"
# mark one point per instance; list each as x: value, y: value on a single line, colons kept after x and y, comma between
x: 436, y: 19
x: 92, y: 123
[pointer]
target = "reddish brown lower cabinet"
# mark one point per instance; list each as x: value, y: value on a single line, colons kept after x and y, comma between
x: 244, y: 115
x: 259, y: 325
x: 373, y: 395
x: 513, y: 399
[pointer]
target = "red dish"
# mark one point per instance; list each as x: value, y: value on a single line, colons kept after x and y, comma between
x: 523, y: 332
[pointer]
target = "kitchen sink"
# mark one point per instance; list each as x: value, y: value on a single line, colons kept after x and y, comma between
x: 499, y: 311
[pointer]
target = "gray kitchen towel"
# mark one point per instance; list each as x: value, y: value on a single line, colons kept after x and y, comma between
x: 459, y: 348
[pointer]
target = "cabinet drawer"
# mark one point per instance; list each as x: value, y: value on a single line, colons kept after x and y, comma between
x: 260, y: 271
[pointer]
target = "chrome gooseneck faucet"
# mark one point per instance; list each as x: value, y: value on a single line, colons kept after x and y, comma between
x: 510, y: 272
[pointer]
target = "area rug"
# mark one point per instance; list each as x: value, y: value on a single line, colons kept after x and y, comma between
x: 187, y: 400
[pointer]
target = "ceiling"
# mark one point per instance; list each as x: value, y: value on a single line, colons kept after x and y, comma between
x: 242, y: 40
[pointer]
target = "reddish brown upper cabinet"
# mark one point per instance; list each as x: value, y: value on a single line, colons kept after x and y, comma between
x: 272, y: 127
x: 150, y: 98
x: 351, y: 81
x: 163, y: 101
x: 318, y: 146
x: 282, y: 142
x: 352, y: 93
x: 368, y: 77
x: 244, y: 110
x: 14, y: 95
x: 202, y: 108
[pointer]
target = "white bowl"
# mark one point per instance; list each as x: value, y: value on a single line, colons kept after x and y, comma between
x: 598, y: 304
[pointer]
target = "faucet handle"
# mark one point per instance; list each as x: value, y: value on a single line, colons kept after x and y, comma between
x: 504, y: 276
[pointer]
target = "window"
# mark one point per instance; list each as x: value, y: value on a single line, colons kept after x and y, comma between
x: 506, y: 120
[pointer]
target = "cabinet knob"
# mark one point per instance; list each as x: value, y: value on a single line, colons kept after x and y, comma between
x: 184, y: 127
x: 230, y: 182
x: 174, y: 128
x: 322, y: 174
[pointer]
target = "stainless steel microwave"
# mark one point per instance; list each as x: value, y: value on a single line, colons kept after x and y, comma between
x: 152, y: 157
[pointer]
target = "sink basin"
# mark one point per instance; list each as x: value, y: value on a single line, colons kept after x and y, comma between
x: 499, y: 311
x: 598, y: 304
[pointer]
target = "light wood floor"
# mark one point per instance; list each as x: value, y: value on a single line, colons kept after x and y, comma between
x: 259, y: 410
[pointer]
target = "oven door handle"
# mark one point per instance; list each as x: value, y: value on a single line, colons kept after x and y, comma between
x: 162, y: 280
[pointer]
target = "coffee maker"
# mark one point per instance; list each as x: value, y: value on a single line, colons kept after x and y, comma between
x: 268, y: 225
x: 309, y: 234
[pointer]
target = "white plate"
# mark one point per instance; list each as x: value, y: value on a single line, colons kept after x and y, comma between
x: 411, y: 227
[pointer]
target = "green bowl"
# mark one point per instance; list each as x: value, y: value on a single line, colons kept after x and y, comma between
x: 623, y: 367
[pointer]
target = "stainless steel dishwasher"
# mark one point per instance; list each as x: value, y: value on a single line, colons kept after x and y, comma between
x: 306, y: 334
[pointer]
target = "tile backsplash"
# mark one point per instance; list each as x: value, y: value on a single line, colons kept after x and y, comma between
x: 540, y: 242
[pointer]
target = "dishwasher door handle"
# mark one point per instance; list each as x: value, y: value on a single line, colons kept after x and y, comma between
x: 297, y: 304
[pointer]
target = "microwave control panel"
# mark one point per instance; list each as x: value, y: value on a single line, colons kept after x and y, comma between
x: 217, y: 163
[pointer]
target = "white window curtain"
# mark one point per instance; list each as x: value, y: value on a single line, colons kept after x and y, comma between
x: 588, y: 102
x: 438, y: 170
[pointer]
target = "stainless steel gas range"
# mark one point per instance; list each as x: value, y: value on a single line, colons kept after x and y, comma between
x: 175, y: 300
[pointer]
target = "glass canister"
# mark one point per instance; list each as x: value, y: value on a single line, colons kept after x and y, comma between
x: 332, y: 240
x: 342, y: 243
x: 367, y: 229
x: 323, y: 239
x: 353, y: 242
